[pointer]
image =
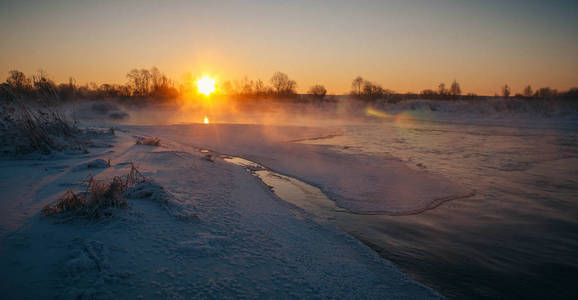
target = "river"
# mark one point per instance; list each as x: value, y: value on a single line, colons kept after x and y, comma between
x: 516, y: 238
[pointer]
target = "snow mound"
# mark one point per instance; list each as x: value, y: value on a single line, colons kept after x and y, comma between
x: 94, y: 164
x: 149, y: 141
x: 149, y: 190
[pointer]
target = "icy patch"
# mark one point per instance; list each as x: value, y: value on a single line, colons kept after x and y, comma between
x: 294, y: 191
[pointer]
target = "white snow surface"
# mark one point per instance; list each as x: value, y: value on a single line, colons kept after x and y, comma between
x: 359, y: 183
x: 223, y: 233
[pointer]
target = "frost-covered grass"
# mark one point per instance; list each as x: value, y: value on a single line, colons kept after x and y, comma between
x: 99, y: 197
x: 488, y: 107
x: 220, y: 233
x: 35, y: 125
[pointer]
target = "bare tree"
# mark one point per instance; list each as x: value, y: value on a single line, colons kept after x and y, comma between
x: 373, y: 90
x: 318, y: 91
x: 45, y: 87
x: 455, y: 89
x: 140, y: 82
x: 506, y: 91
x: 134, y: 81
x: 146, y: 79
x: 528, y: 91
x: 546, y: 93
x: 18, y: 81
x: 246, y: 87
x: 157, y: 80
x: 259, y: 88
x: 442, y: 89
x: 282, y: 85
x: 356, y: 85
x: 428, y: 94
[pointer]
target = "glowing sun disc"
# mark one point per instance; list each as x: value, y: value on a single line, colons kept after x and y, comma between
x: 206, y: 85
x: 206, y: 120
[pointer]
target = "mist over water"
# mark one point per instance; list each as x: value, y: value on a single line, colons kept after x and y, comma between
x: 517, y: 237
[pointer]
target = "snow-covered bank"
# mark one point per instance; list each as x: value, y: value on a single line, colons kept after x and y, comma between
x: 515, y: 113
x: 223, y: 234
x: 359, y: 183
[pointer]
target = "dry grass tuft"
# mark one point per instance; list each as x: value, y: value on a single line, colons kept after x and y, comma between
x: 27, y: 126
x: 150, y: 141
x: 98, y: 199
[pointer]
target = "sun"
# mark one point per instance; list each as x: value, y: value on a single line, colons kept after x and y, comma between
x: 206, y: 85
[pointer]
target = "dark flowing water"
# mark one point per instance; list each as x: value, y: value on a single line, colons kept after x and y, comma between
x: 516, y: 238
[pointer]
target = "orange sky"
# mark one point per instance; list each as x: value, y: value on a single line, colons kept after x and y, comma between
x: 403, y: 45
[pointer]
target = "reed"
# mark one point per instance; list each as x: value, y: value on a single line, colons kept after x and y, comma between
x: 99, y: 197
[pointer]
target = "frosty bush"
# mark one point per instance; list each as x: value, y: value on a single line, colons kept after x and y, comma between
x: 27, y: 126
x: 99, y: 197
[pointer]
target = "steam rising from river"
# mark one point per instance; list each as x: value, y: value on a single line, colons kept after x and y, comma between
x: 338, y: 110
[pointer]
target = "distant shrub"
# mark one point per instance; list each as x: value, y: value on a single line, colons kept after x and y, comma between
x: 318, y: 91
x: 283, y: 85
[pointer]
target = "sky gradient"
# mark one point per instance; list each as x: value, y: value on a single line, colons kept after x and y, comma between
x: 403, y: 45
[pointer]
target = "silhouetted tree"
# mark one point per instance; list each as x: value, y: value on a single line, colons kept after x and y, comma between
x: 455, y: 89
x: 318, y: 91
x: 506, y: 91
x: 282, y: 85
x: 372, y: 90
x: 442, y: 90
x: 139, y: 80
x: 67, y: 91
x: 161, y: 87
x: 259, y: 88
x: 246, y: 87
x: 356, y: 85
x: 571, y: 94
x: 546, y: 93
x: 428, y: 94
x: 18, y: 81
x: 528, y: 91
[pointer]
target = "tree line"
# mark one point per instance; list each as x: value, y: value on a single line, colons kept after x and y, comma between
x: 368, y: 90
x: 541, y: 93
x: 151, y: 84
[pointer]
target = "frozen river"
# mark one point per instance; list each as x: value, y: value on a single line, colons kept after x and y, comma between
x: 516, y: 238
